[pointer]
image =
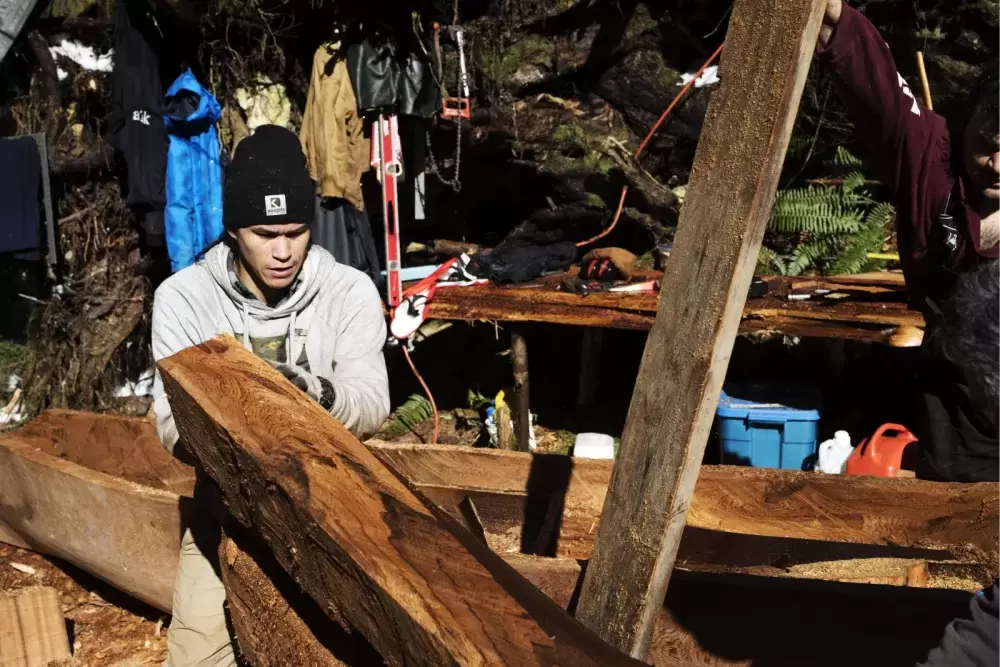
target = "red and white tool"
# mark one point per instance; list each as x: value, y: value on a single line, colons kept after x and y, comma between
x: 413, y: 310
x: 387, y: 157
x: 458, y: 107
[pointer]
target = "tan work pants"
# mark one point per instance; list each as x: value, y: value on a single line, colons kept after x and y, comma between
x: 198, y: 634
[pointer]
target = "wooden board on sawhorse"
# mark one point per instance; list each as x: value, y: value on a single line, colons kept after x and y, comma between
x: 769, y: 46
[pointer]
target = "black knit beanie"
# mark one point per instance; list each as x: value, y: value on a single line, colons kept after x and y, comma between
x: 268, y: 182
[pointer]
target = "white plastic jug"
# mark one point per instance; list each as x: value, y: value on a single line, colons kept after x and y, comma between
x: 833, y: 454
x: 594, y: 446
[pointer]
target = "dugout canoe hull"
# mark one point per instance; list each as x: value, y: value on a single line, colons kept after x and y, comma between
x: 123, y: 532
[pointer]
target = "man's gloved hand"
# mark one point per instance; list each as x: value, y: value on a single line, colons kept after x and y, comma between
x: 318, y: 388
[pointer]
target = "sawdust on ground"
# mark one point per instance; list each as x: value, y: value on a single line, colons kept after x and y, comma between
x: 102, y: 634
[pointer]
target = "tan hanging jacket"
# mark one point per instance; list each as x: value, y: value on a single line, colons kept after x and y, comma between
x: 331, y: 136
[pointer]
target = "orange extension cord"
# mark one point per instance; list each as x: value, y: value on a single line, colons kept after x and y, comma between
x: 427, y: 390
x: 642, y: 146
x: 605, y: 232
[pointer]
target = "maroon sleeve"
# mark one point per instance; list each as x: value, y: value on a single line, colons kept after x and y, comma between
x: 908, y: 145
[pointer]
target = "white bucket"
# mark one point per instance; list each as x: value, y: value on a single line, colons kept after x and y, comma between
x: 594, y: 446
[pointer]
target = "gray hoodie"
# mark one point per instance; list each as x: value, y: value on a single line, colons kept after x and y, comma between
x: 331, y: 324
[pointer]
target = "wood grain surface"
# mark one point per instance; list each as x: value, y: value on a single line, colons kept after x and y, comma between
x: 125, y: 447
x: 56, y: 498
x: 769, y: 46
x: 870, y: 313
x: 32, y: 629
x: 276, y: 624
x: 515, y: 489
x: 411, y: 580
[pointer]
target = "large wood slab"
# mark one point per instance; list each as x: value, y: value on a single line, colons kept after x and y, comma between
x: 52, y: 502
x: 413, y: 581
x: 511, y: 488
x: 865, y: 315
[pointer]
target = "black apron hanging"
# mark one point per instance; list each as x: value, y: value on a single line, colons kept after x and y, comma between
x: 385, y: 81
x: 345, y: 233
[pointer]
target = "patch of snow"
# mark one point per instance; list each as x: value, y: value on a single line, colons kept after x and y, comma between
x: 709, y: 77
x: 84, y: 56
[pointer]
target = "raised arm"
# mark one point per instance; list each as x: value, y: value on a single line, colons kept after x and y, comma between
x: 899, y: 136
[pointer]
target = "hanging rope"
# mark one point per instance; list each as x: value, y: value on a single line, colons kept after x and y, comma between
x: 614, y: 221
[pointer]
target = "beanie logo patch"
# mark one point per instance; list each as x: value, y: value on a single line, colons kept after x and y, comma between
x: 275, y: 205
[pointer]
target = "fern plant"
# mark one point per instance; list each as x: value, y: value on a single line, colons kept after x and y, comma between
x: 826, y: 228
x: 414, y: 410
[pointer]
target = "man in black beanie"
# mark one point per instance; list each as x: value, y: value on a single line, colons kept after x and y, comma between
x: 319, y: 322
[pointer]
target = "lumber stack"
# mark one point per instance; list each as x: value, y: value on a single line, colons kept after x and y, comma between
x: 416, y: 584
x: 32, y: 629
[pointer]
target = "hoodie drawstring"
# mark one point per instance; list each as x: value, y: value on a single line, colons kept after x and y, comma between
x: 289, y: 344
x: 246, y: 328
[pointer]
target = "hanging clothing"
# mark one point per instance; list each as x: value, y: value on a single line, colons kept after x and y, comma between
x: 137, y: 125
x: 265, y: 103
x: 383, y: 79
x: 20, y: 178
x: 193, y: 219
x: 345, y: 233
x: 336, y: 151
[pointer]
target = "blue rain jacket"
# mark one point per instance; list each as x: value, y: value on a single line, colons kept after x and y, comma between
x: 193, y: 217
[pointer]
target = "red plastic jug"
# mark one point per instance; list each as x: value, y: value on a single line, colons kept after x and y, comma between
x: 882, y: 454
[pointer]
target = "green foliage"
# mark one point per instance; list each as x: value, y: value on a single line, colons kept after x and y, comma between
x: 477, y: 401
x: 844, y: 158
x: 12, y: 356
x: 826, y: 228
x: 414, y: 410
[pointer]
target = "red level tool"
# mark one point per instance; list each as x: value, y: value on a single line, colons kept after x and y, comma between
x: 387, y: 157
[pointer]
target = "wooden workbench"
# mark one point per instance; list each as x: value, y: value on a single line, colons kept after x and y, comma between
x: 873, y: 310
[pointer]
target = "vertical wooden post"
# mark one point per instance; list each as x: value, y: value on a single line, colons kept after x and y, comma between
x: 769, y: 46
x: 522, y: 401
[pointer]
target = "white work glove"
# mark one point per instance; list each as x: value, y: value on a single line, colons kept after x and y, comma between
x: 318, y: 388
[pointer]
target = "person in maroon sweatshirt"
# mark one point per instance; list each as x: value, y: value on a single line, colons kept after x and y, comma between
x: 947, y: 194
